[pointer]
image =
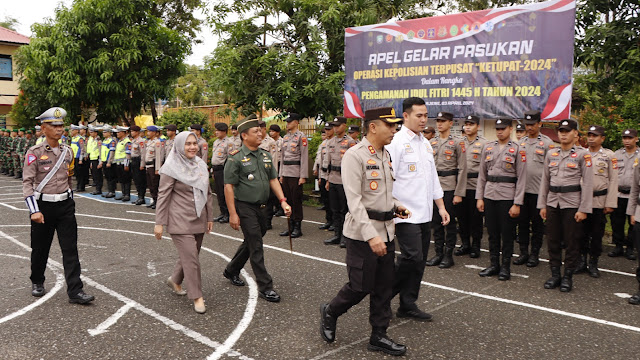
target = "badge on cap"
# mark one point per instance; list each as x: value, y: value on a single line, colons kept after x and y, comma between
x: 592, y: 128
x: 626, y: 132
x: 499, y: 121
x: 565, y: 123
x: 528, y: 117
x: 469, y: 117
x: 439, y: 114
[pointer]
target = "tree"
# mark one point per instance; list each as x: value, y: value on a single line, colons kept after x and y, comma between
x: 192, y: 88
x: 10, y: 23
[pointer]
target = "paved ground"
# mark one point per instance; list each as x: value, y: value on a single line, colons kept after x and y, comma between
x: 135, y: 316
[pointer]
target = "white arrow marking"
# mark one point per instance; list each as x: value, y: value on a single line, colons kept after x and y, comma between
x: 102, y: 328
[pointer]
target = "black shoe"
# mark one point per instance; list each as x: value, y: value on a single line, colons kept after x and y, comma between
x: 474, y: 253
x: 296, y: 230
x: 505, y: 272
x: 554, y: 281
x: 270, y: 296
x: 463, y: 250
x: 533, y: 260
x: 280, y: 212
x: 102, y: 194
x: 217, y: 218
x: 447, y: 260
x: 618, y: 251
x: 582, y: 264
x: 415, y: 314
x: 96, y: 192
x: 521, y: 259
x: 324, y: 226
x: 81, y: 298
x: 110, y: 195
x: 140, y: 201
x: 566, y: 284
x: 381, y: 342
x: 269, y: 225
x: 321, y: 207
x: 235, y: 279
x: 153, y: 206
x: 335, y: 240
x: 331, y: 228
x: 630, y: 254
x: 284, y: 233
x: 126, y: 198
x: 224, y: 220
x: 434, y: 261
x: 37, y: 290
x: 594, y: 272
x: 635, y: 299
x: 343, y: 243
x: 327, y: 324
x: 490, y: 271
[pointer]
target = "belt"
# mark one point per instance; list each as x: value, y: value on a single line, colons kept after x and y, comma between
x: 291, y: 162
x: 217, y: 167
x: 448, y: 172
x: 335, y: 168
x: 261, y: 206
x: 53, y: 197
x: 119, y: 161
x: 380, y: 215
x: 324, y: 169
x: 502, y: 179
x: 624, y: 189
x: 565, y: 189
x: 600, y: 192
x: 150, y: 163
x: 472, y: 175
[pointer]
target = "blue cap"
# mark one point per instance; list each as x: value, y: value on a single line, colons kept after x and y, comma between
x: 152, y: 128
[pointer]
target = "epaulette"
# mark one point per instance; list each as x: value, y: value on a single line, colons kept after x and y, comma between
x: 234, y: 152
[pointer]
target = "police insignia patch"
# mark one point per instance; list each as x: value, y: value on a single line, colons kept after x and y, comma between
x: 371, y: 162
x: 374, y: 174
x: 31, y: 158
x: 371, y: 149
x: 587, y: 160
x: 373, y: 185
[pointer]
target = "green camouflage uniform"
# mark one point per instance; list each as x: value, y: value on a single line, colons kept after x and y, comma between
x: 3, y: 151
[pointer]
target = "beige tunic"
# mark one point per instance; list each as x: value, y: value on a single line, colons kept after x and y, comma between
x: 567, y: 168
x: 203, y: 152
x: 295, y: 156
x: 536, y: 149
x: 496, y: 167
x: 474, y: 156
x: 151, y: 153
x: 38, y: 161
x: 632, y: 207
x: 176, y: 208
x: 336, y: 148
x: 605, y: 177
x: 220, y: 151
x: 626, y: 163
x: 450, y: 157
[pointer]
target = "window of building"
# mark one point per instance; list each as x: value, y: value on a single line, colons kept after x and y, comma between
x: 6, y: 68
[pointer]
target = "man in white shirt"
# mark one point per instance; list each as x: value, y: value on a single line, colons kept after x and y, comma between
x: 418, y: 188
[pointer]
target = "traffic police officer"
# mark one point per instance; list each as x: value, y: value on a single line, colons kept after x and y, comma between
x: 48, y: 171
x: 321, y: 171
x: 152, y: 146
x: 106, y: 156
x: 369, y: 230
x: 41, y: 137
x: 249, y: 175
x: 121, y: 161
x: 94, y: 147
x: 137, y: 164
x: 566, y: 197
x: 222, y: 146
x: 79, y: 150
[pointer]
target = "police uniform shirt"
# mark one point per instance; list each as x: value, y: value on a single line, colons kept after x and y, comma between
x: 450, y: 155
x: 506, y: 162
x: 632, y: 207
x: 39, y: 161
x: 137, y: 147
x: 295, y: 155
x: 221, y: 150
x: 336, y: 148
x: 268, y: 145
x: 203, y: 152
x: 250, y: 172
x: 150, y: 153
x: 605, y: 177
x: 474, y: 156
x: 160, y: 152
x: 567, y: 168
x: 368, y: 188
x: 321, y: 158
x: 168, y: 145
x: 237, y: 141
x: 536, y: 150
x: 94, y: 148
x: 625, y: 163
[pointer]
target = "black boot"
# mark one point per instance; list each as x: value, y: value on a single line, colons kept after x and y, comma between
x: 297, y: 229
x: 594, y: 272
x: 567, y: 281
x: 533, y: 258
x: 618, y: 251
x: 327, y: 324
x: 582, y: 265
x: 379, y: 341
x: 523, y: 258
x: 635, y: 299
x: 126, y: 192
x: 505, y: 269
x: 492, y: 270
x: 334, y: 240
x: 140, y: 201
x: 269, y: 223
x: 464, y: 249
x: 435, y: 261
x: 475, y: 249
x: 343, y: 242
x: 630, y: 254
x: 554, y: 281
x: 447, y: 260
x: 325, y: 226
x: 286, y: 232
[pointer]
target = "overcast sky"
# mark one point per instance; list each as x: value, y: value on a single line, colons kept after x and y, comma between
x: 29, y: 12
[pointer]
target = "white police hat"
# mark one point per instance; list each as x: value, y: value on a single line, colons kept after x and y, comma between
x: 53, y: 116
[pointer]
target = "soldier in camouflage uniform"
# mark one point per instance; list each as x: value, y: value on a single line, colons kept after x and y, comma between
x: 11, y: 151
x: 2, y: 142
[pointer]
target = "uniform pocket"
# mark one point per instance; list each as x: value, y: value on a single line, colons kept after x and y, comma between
x: 355, y: 268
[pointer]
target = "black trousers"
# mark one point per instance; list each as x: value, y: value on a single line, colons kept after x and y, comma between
x: 325, y: 200
x: 58, y: 217
x: 82, y: 174
x: 124, y: 178
x: 369, y: 274
x: 218, y: 183
x: 111, y: 176
x: 254, y: 226
x: 636, y: 235
x: 293, y: 193
x: 470, y: 220
x: 414, y: 242
x: 530, y: 225
x: 560, y: 225
x: 445, y: 235
x: 618, y: 218
x: 501, y: 228
x: 139, y: 177
x: 96, y: 174
x: 339, y: 207
x: 591, y: 241
x: 153, y: 182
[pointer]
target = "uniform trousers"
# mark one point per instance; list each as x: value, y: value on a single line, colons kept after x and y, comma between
x: 58, y: 217
x: 618, y: 218
x: 530, y: 225
x: 82, y: 174
x: 326, y: 201
x: 139, y: 177
x: 96, y: 174
x: 339, y: 207
x: 470, y: 220
x: 561, y: 225
x: 636, y: 235
x: 124, y: 178
x: 501, y: 228
x: 293, y: 193
x: 153, y: 181
x: 218, y: 179
x: 111, y: 176
x: 187, y: 268
x: 591, y: 241
x: 254, y: 226
x: 440, y: 238
x: 414, y: 242
x: 369, y: 274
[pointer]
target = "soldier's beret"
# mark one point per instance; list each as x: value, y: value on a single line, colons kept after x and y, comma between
x: 194, y: 127
x: 152, y: 128
x: 135, y: 128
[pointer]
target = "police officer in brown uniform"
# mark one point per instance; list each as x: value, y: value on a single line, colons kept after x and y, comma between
x: 354, y: 132
x: 633, y: 210
x: 626, y: 159
x: 222, y: 146
x: 369, y: 231
x: 153, y: 177
x: 530, y: 225
x: 294, y: 167
x: 235, y: 137
x: 204, y: 148
x: 605, y: 199
x: 269, y: 145
x: 321, y: 171
x: 451, y: 162
x: 46, y: 186
x: 429, y: 132
x: 336, y: 148
x: 499, y: 194
x: 470, y: 224
x: 168, y: 143
x: 566, y: 197
x: 137, y: 164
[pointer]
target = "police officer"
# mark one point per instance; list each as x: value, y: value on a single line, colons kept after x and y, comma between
x: 235, y: 137
x: 15, y: 143
x: 222, y: 146
x: 270, y: 145
x: 294, y: 166
x: 137, y: 165
x: 152, y: 146
x: 249, y: 175
x: 626, y: 160
x: 520, y: 131
x: 94, y: 147
x: 78, y: 148
x: 354, y: 132
x: 369, y: 232
x: 451, y: 162
x: 48, y: 171
x: 39, y: 135
x: 470, y: 218
x: 633, y: 210
x: 429, y: 132
x: 106, y: 156
x: 500, y: 193
x: 274, y: 133
x: 83, y: 166
x: 605, y: 199
x: 204, y: 149
x: 122, y: 162
x: 321, y: 171
x: 530, y: 225
x: 566, y: 197
x: 168, y: 143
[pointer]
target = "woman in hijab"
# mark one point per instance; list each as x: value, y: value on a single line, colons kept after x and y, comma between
x: 185, y: 207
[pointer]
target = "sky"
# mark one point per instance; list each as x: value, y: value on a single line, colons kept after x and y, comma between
x: 28, y: 12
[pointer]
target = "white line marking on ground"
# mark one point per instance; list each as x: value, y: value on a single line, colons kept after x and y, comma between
x: 309, y: 221
x: 93, y: 246
x: 7, y: 194
x: 481, y: 268
x: 141, y: 212
x: 152, y: 269
x: 14, y: 198
x: 10, y: 186
x: 111, y: 320
x: 622, y: 295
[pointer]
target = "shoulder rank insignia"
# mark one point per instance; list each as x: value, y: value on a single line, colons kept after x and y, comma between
x: 371, y: 149
x: 234, y: 152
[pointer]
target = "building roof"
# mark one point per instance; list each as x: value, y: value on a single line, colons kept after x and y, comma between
x: 10, y: 36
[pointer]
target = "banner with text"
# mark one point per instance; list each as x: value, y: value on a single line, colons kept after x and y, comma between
x: 498, y: 62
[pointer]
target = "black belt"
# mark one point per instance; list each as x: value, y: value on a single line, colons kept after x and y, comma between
x: 324, y: 169
x: 380, y: 215
x: 217, y: 167
x: 291, y: 162
x: 335, y: 168
x: 502, y: 179
x: 259, y: 205
x: 150, y: 163
x: 565, y: 189
x: 600, y: 192
x: 448, y: 172
x: 624, y: 189
x: 472, y: 175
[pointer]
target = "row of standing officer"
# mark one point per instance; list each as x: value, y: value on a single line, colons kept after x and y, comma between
x: 13, y: 146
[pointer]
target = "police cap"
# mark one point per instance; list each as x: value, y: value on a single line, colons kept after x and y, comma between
x: 531, y: 117
x: 386, y: 114
x: 443, y: 115
x: 53, y: 116
x: 221, y: 126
